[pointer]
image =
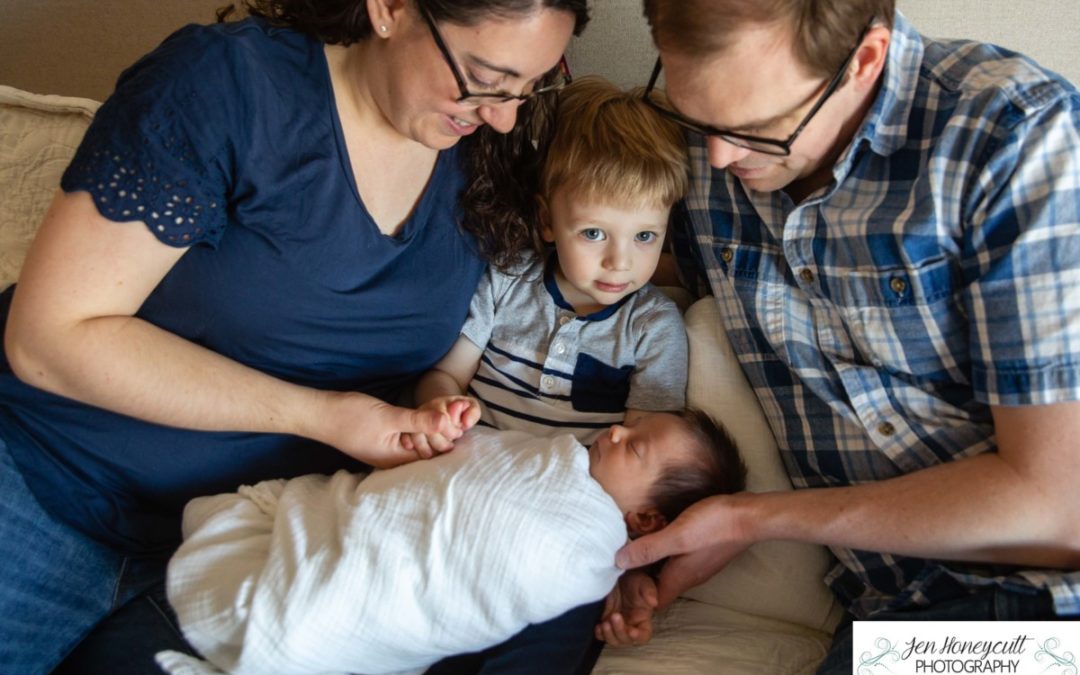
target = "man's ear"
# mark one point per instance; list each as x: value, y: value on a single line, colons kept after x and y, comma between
x: 870, y: 58
x: 644, y: 522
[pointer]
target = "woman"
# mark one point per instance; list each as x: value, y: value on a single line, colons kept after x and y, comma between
x: 267, y: 232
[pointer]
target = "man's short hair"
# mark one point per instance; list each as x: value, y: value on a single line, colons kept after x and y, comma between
x: 824, y: 30
x: 611, y: 148
x: 716, y: 469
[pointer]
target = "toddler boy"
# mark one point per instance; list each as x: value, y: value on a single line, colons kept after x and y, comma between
x: 578, y: 339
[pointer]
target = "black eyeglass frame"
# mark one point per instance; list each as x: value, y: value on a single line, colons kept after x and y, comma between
x: 767, y: 146
x: 494, y: 97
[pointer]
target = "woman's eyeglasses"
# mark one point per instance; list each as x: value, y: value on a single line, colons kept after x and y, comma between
x: 561, y: 74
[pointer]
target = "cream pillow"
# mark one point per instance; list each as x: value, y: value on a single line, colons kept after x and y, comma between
x: 777, y: 579
x: 38, y: 136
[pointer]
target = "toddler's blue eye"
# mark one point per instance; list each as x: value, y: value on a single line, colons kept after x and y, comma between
x: 645, y: 237
x: 593, y: 234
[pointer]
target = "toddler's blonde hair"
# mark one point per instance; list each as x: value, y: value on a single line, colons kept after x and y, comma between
x: 611, y: 148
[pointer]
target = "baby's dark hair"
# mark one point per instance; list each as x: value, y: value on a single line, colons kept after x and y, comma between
x: 718, y: 468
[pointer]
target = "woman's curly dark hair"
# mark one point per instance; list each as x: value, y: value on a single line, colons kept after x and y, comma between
x: 499, y: 200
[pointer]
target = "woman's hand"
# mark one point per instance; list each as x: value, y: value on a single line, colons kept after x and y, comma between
x: 376, y: 432
x: 463, y: 412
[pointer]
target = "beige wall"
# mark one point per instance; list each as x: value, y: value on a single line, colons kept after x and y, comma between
x: 78, y: 47
x: 616, y: 43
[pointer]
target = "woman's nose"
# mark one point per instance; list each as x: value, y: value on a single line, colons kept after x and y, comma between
x: 500, y: 116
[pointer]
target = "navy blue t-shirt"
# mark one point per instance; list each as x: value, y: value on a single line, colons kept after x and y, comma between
x: 226, y: 139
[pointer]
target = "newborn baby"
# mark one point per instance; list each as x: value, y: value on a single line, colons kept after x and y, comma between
x: 397, y: 569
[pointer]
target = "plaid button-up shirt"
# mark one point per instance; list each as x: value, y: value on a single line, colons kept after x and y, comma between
x: 937, y: 275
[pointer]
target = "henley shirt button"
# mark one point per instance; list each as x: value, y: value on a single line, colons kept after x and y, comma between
x: 548, y: 381
x: 886, y: 429
x: 726, y: 254
x: 560, y: 348
x: 898, y: 285
x: 807, y: 275
x: 563, y: 320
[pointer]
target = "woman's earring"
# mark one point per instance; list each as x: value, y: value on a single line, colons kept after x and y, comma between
x: 382, y: 28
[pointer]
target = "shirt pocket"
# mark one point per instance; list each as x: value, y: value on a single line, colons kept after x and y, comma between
x: 907, y: 319
x: 598, y: 387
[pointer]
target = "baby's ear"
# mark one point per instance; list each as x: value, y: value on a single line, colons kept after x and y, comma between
x: 644, y: 522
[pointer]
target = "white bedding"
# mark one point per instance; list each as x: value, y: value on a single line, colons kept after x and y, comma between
x: 395, y: 571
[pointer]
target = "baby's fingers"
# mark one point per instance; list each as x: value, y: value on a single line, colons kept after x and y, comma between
x: 440, y: 443
x: 616, y: 633
x: 421, y: 445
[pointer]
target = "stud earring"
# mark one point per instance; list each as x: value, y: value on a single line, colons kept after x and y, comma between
x: 382, y: 28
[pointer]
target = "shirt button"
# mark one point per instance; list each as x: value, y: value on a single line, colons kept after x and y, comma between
x: 547, y: 381
x: 560, y: 348
x: 726, y: 254
x: 563, y: 320
x: 898, y: 285
x: 886, y: 429
x: 807, y: 275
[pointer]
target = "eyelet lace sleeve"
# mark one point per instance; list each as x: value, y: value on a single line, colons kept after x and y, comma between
x: 154, y: 154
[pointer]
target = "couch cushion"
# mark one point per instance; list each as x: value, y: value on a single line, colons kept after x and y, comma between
x: 38, y: 136
x: 776, y: 579
x: 695, y: 638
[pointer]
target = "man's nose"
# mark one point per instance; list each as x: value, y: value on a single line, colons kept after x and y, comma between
x: 722, y: 153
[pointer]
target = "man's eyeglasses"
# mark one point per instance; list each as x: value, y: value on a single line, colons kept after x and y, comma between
x: 561, y: 74
x: 766, y: 146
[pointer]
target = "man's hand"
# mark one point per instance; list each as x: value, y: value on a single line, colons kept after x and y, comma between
x: 699, y: 543
x: 628, y: 611
x: 463, y: 412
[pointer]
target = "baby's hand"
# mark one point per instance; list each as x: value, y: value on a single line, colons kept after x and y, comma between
x: 463, y: 413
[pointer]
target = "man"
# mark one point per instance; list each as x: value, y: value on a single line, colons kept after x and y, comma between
x: 891, y: 229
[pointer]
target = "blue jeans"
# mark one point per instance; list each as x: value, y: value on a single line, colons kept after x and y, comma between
x: 988, y: 604
x: 57, y: 584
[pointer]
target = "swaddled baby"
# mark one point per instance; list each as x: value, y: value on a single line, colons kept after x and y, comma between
x: 397, y: 569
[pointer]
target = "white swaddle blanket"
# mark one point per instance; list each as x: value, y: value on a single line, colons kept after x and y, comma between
x: 347, y: 574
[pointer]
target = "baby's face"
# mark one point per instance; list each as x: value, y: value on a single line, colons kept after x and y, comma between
x: 627, y: 460
x: 606, y: 252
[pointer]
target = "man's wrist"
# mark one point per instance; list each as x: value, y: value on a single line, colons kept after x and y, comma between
x: 752, y: 517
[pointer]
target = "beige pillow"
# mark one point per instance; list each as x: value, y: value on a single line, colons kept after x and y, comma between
x: 38, y: 136
x: 776, y: 579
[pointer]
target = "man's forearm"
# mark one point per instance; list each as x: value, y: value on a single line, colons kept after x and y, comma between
x: 977, y: 509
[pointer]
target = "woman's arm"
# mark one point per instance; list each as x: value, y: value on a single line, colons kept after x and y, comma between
x: 72, y: 332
